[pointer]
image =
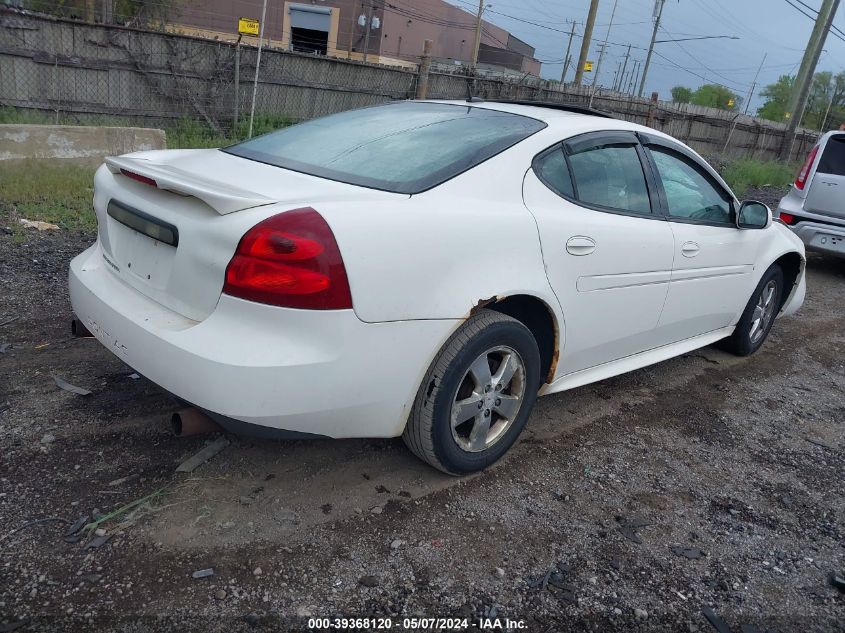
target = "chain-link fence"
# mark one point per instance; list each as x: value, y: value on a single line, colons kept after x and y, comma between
x: 74, y: 72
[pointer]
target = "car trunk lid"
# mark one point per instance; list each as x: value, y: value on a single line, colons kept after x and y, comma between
x: 170, y: 221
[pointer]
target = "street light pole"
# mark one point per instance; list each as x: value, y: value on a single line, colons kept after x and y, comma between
x: 477, y: 44
x: 658, y: 13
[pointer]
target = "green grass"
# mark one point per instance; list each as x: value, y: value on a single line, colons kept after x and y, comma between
x: 61, y: 193
x: 181, y: 134
x: 37, y: 190
x: 745, y: 173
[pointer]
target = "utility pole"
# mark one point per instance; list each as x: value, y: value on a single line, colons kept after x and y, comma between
x: 477, y: 44
x: 635, y: 76
x: 754, y: 84
x: 368, y: 27
x: 585, y: 43
x: 658, y: 13
x: 801, y: 89
x: 257, y: 65
x: 624, y: 67
x: 566, y: 59
x: 604, y: 46
x: 616, y: 75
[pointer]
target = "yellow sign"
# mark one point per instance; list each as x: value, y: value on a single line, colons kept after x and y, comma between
x: 731, y: 103
x: 247, y: 26
x: 588, y: 67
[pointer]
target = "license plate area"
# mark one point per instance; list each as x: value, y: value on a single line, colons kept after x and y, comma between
x: 829, y: 242
x: 143, y: 247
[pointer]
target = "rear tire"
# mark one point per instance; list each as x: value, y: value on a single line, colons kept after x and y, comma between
x: 759, y: 315
x: 476, y: 396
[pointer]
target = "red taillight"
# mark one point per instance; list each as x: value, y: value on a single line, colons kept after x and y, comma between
x: 787, y: 218
x: 801, y: 180
x: 290, y: 260
x: 144, y: 179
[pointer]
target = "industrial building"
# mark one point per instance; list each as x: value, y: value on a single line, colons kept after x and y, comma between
x: 339, y: 28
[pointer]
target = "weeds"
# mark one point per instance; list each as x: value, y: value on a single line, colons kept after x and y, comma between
x: 745, y: 173
x: 128, y: 513
x: 38, y: 190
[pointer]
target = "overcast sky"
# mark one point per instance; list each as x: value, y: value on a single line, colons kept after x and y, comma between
x: 770, y: 27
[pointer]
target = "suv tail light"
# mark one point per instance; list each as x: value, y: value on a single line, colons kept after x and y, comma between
x: 787, y: 218
x: 801, y: 180
x: 290, y: 260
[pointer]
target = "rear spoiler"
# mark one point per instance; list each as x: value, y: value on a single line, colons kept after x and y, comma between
x: 222, y: 198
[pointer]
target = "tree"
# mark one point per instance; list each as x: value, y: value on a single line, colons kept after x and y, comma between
x: 777, y: 99
x: 715, y: 96
x: 825, y: 104
x: 681, y: 94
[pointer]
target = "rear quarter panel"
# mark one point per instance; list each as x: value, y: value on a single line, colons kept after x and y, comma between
x: 440, y: 253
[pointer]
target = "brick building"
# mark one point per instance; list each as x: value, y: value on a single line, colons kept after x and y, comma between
x: 338, y: 28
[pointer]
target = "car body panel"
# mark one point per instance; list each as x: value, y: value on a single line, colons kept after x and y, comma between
x: 616, y: 291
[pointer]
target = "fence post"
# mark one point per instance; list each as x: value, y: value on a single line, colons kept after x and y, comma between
x: 652, y: 108
x: 423, y: 70
x: 237, y: 83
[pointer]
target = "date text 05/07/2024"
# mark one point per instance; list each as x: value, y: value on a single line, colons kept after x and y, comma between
x: 416, y: 624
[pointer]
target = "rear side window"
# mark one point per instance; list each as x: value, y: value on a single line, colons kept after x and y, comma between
x: 551, y: 168
x: 611, y: 176
x: 404, y: 148
x: 833, y: 159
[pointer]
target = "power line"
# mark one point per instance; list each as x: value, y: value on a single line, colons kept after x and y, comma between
x: 835, y: 31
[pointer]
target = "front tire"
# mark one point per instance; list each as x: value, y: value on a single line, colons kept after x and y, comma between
x: 477, y: 395
x: 759, y: 314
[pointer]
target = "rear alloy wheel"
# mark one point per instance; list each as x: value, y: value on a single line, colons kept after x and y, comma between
x: 759, y: 314
x: 477, y: 395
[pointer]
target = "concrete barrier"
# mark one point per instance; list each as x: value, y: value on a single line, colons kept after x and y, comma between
x: 83, y: 145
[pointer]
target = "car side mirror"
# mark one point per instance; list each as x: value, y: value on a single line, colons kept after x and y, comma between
x: 753, y: 215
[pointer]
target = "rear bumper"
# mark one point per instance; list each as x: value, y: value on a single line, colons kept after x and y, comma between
x: 821, y: 238
x: 821, y: 234
x: 308, y: 371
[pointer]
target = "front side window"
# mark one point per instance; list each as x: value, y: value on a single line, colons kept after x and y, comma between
x: 404, y: 147
x: 611, y: 177
x: 689, y: 194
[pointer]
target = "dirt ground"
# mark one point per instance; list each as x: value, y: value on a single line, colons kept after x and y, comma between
x: 636, y: 503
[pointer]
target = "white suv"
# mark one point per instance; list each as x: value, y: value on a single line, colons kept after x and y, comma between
x: 815, y: 206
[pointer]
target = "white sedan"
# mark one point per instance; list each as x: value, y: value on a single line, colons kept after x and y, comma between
x: 423, y: 269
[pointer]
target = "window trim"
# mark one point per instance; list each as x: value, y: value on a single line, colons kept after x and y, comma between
x: 704, y: 170
x: 594, y: 138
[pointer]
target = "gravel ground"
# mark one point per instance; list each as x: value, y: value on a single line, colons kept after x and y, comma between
x: 636, y: 503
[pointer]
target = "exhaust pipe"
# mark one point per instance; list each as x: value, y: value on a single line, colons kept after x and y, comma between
x: 187, y: 422
x: 79, y: 330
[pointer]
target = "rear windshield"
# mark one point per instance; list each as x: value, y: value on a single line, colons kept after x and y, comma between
x: 833, y: 159
x: 403, y: 147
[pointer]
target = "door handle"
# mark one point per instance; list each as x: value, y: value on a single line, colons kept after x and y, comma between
x: 579, y: 245
x: 690, y: 249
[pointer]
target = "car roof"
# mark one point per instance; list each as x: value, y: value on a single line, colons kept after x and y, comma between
x: 555, y: 114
